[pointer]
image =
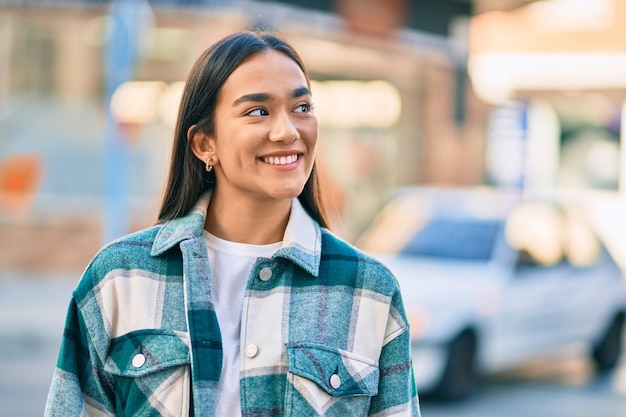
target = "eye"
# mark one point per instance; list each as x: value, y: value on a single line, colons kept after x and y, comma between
x: 258, y: 112
x: 304, y: 108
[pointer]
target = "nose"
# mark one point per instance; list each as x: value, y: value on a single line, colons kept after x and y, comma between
x: 283, y: 129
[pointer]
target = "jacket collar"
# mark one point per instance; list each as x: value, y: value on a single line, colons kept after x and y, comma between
x: 302, y: 242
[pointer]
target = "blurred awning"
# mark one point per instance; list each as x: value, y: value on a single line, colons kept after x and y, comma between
x: 499, y: 77
x: 553, y: 46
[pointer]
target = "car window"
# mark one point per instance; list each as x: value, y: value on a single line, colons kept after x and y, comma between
x: 582, y: 247
x: 454, y: 238
x: 549, y: 234
x: 537, y: 230
x: 394, y: 226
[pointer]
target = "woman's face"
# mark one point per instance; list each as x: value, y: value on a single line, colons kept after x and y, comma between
x: 265, y: 133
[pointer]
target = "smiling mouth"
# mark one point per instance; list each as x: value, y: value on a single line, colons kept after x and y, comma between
x: 281, y: 160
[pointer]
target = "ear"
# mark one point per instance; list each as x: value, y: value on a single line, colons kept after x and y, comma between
x: 202, y: 145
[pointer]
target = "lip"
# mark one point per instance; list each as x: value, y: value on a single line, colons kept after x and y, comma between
x: 285, y: 152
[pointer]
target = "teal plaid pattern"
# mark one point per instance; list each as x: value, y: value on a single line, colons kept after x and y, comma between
x: 324, y: 331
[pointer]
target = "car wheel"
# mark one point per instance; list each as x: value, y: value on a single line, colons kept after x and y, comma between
x: 607, y: 351
x: 459, y: 377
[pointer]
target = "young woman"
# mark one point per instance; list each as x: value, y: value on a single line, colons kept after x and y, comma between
x: 240, y: 302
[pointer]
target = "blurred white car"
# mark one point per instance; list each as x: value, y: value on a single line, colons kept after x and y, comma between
x: 489, y: 282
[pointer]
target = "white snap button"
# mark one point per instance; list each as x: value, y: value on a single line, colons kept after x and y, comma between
x: 251, y: 350
x: 265, y: 274
x: 138, y: 360
x: 335, y: 381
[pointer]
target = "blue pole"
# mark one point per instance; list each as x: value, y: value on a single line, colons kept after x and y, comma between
x: 127, y: 19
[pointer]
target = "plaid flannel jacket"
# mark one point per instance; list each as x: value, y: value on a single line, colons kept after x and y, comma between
x: 323, y: 330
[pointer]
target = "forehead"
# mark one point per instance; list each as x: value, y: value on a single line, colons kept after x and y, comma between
x: 265, y: 70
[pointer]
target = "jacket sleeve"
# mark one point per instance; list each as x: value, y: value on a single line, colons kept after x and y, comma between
x: 79, y: 386
x: 397, y: 394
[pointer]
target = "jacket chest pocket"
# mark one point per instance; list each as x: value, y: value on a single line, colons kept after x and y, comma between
x: 327, y: 381
x: 151, y: 370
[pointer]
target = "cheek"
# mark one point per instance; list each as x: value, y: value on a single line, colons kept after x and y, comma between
x: 232, y: 146
x: 310, y: 133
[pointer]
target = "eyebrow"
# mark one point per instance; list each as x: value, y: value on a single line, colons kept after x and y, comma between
x: 299, y: 92
x: 263, y: 97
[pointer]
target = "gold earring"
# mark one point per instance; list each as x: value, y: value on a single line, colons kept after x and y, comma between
x: 208, y: 167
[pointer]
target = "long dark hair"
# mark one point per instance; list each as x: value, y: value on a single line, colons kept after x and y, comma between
x: 187, y: 177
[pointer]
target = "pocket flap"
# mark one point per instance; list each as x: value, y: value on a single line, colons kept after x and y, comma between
x: 336, y: 371
x: 142, y: 352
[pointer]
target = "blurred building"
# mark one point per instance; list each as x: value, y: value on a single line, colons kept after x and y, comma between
x: 391, y: 88
x: 555, y: 74
x: 566, y: 60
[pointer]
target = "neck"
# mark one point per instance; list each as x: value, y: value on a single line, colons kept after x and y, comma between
x: 246, y: 221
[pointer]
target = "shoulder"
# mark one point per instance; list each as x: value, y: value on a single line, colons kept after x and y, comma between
x: 343, y: 258
x: 130, y: 252
x: 335, y: 248
x: 128, y: 248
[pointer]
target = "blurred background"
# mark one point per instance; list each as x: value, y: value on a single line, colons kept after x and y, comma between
x: 521, y: 95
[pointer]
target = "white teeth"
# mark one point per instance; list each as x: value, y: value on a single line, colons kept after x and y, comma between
x: 280, y: 160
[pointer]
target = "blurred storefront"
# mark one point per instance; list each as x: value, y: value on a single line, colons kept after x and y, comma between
x: 555, y: 74
x: 567, y: 61
x: 391, y: 90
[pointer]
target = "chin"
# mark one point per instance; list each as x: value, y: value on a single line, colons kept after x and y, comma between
x: 287, y: 193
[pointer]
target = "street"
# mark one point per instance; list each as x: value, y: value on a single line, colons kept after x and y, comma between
x: 562, y: 388
x: 32, y: 312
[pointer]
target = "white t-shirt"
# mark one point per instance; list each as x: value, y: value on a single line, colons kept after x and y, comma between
x: 231, y: 264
